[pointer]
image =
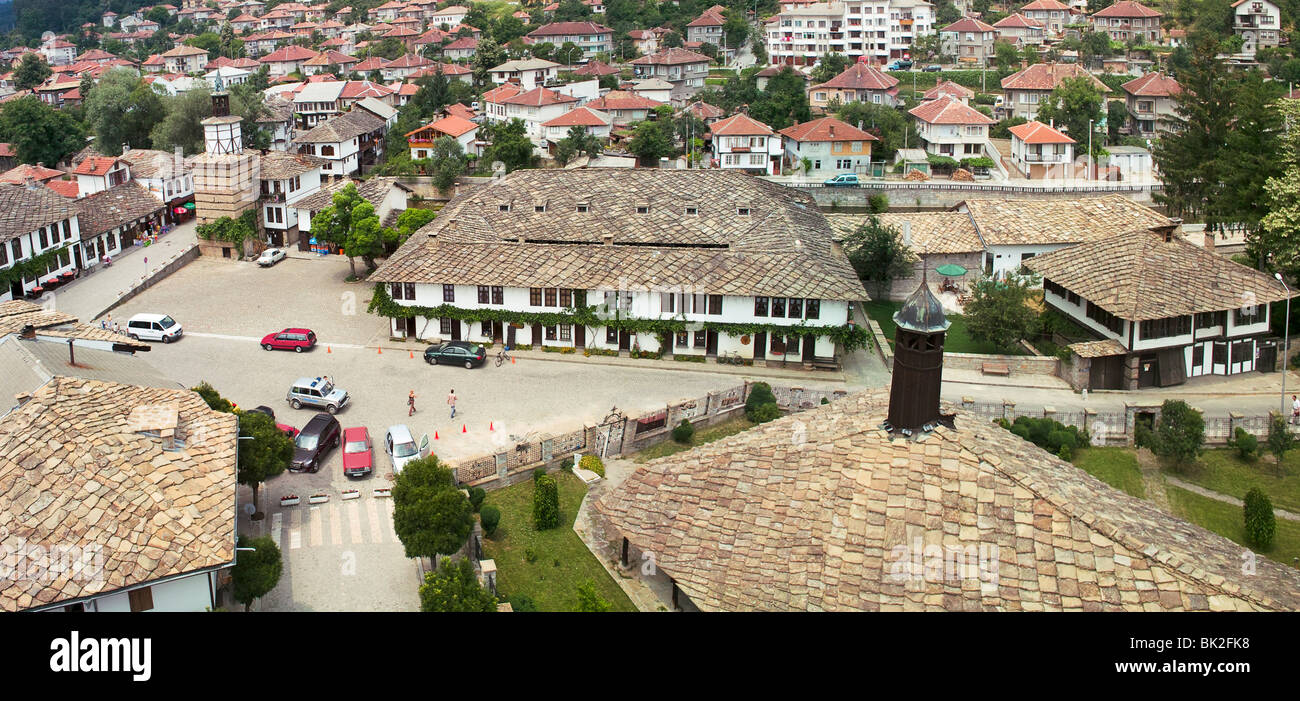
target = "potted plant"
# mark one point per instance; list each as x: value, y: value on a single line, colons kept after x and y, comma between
x: 290, y: 500
x: 318, y: 498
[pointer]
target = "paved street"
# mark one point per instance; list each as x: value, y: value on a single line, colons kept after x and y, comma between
x: 89, y: 295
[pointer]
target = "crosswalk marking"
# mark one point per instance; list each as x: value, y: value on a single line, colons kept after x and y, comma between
x: 336, y: 525
x: 372, y: 511
x: 277, y: 519
x: 388, y: 511
x: 354, y: 522
x: 295, y: 530
x: 314, y: 521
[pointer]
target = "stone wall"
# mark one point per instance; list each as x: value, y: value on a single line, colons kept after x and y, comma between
x: 945, y: 194
x: 1019, y: 364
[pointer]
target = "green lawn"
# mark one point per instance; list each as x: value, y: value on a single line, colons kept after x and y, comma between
x: 560, y: 560
x: 958, y: 339
x: 1227, y: 521
x: 729, y: 427
x: 1117, y: 467
x: 1221, y: 470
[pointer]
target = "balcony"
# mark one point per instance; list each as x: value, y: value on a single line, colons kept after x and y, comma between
x: 1044, y: 158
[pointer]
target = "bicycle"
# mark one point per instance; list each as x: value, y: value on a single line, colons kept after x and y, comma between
x: 502, y: 357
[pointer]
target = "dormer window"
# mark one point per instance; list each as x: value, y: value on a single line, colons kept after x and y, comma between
x: 503, y: 208
x: 742, y: 211
x: 692, y: 211
x: 583, y: 207
x: 643, y: 209
x: 539, y: 208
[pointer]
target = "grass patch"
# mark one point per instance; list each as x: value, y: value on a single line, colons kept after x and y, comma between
x: 552, y: 586
x: 729, y: 427
x: 1223, y: 471
x: 1117, y: 467
x: 1227, y: 521
x: 958, y: 339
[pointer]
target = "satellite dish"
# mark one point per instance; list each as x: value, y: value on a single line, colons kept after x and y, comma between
x: 47, y: 37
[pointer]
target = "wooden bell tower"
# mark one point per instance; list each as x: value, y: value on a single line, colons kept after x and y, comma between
x: 918, y: 362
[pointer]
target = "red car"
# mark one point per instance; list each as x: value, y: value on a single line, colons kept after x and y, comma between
x: 358, y: 457
x: 296, y: 340
x: 289, y: 431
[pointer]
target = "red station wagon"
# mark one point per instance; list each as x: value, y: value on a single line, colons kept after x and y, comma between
x: 358, y: 457
x: 296, y: 340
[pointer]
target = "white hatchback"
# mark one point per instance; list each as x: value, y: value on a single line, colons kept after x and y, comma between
x: 270, y: 257
x: 153, y: 327
x: 401, y: 448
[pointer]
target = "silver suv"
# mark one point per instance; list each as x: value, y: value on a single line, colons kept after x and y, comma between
x: 316, y: 392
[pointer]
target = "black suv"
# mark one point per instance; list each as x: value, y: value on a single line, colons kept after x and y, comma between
x: 314, y: 442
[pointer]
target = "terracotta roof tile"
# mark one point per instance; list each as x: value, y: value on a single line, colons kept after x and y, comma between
x: 826, y: 129
x: 739, y: 125
x: 580, y: 117
x: 1038, y: 133
x: 861, y: 76
x: 948, y: 110
x: 670, y: 57
x: 1046, y: 76
x: 1127, y: 8
x: 969, y: 24
x: 1153, y: 85
x: 623, y: 100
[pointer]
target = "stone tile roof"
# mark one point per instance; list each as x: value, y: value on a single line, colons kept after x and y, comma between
x: 24, y: 210
x: 1036, y: 132
x: 340, y: 128
x: 1098, y: 349
x: 282, y: 165
x: 111, y: 208
x: 1153, y: 85
x: 78, y: 468
x: 826, y: 129
x: 949, y: 110
x: 1046, y: 76
x: 861, y: 76
x: 832, y: 520
x: 782, y: 247
x: 1009, y: 222
x: 17, y: 313
x: 931, y: 232
x: 1137, y: 275
x: 277, y: 110
x: 373, y: 190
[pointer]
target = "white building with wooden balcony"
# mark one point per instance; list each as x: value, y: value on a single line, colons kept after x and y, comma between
x: 743, y: 143
x: 1258, y: 23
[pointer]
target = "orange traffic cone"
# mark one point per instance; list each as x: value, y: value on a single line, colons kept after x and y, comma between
x: 490, y: 428
x: 381, y: 350
x: 327, y: 350
x: 435, y: 435
x: 412, y: 354
x: 462, y: 429
x: 512, y: 361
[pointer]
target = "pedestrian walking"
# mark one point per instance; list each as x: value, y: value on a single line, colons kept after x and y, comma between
x: 1295, y: 409
x: 451, y: 402
x: 410, y: 403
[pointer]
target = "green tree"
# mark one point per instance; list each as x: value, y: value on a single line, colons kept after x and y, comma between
x: 333, y: 223
x: 828, y: 66
x: 408, y: 222
x: 578, y: 142
x: 448, y: 162
x: 487, y: 55
x: 1279, y: 231
x: 31, y: 71
x: 510, y: 145
x: 1250, y: 158
x: 264, y: 452
x: 1280, y: 439
x: 208, y: 41
x: 1180, y: 432
x: 760, y: 405
x: 365, y: 240
x: 1189, y: 158
x: 759, y: 49
x: 653, y: 139
x: 590, y: 600
x: 878, y: 254
x: 1076, y: 105
x: 1006, y: 56
x: 1116, y: 118
x: 886, y: 123
x: 1260, y: 523
x: 256, y: 571
x: 39, y: 133
x: 122, y: 109
x: 999, y: 311
x: 453, y: 588
x: 783, y: 103
x: 1002, y: 130
x: 735, y: 28
x: 430, y: 515
x: 546, y: 503
x: 213, y: 398
x: 181, y: 126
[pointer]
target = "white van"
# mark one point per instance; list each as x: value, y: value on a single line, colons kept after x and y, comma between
x: 153, y: 327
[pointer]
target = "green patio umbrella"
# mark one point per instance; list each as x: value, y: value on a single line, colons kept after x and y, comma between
x: 950, y: 270
x: 189, y: 205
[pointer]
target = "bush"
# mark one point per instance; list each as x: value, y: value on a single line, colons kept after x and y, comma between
x: 759, y: 395
x: 765, y: 413
x: 567, y: 464
x: 689, y: 358
x: 1247, y: 445
x: 546, y: 503
x: 878, y: 203
x: 476, y: 497
x: 491, y: 518
x: 684, y: 432
x: 538, y: 473
x: 592, y: 463
x: 1065, y: 453
x: 1180, y: 432
x: 1049, y: 434
x: 825, y: 400
x: 522, y: 603
x: 1260, y: 525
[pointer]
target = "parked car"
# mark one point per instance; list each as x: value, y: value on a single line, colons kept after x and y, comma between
x: 358, y: 457
x: 314, y: 442
x: 932, y: 68
x: 270, y: 257
x: 296, y: 340
x: 843, y: 180
x: 471, y: 355
x: 153, y: 327
x: 900, y: 64
x: 264, y: 409
x: 401, y: 447
x: 316, y: 392
x: 289, y: 431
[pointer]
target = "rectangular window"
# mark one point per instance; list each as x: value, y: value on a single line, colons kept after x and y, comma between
x: 550, y: 333
x: 778, y: 306
x: 503, y: 208
x: 1198, y: 356
x: 566, y: 297
x: 682, y: 340
x: 1208, y: 319
x: 643, y: 209
x: 812, y: 308
x: 611, y: 335
x: 1241, y: 352
x: 483, y: 294
x: 4, y: 255
x: 692, y: 211
x: 140, y: 599
x: 535, y: 296
x: 566, y: 332
x: 550, y: 297
x: 45, y: 243
x: 408, y: 288
x: 760, y: 306
x: 715, y: 304
x: 1109, y: 321
x: 667, y: 302
x: 701, y: 339
x: 742, y: 211
x: 498, y: 295
x: 444, y: 327
x: 396, y: 290
x: 1252, y: 314
x: 699, y: 304
x: 18, y: 249
x: 583, y: 208
x: 449, y: 293
x: 795, y: 308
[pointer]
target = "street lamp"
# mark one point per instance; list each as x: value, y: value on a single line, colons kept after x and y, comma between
x: 1286, y: 337
x: 568, y: 55
x: 1090, y: 165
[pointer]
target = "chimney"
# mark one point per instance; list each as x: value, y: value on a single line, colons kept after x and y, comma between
x: 1209, y: 240
x: 607, y: 238
x: 126, y: 147
x: 907, y: 233
x: 29, y: 182
x: 72, y: 353
x: 918, y: 363
x: 28, y: 332
x: 23, y: 397
x: 832, y: 131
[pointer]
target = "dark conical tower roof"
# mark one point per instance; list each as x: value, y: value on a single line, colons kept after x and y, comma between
x: 922, y: 312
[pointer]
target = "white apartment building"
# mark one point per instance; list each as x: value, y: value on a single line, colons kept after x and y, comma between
x: 714, y: 249
x: 879, y: 30
x: 951, y: 128
x: 745, y: 144
x: 529, y: 73
x: 1258, y: 23
x: 286, y: 178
